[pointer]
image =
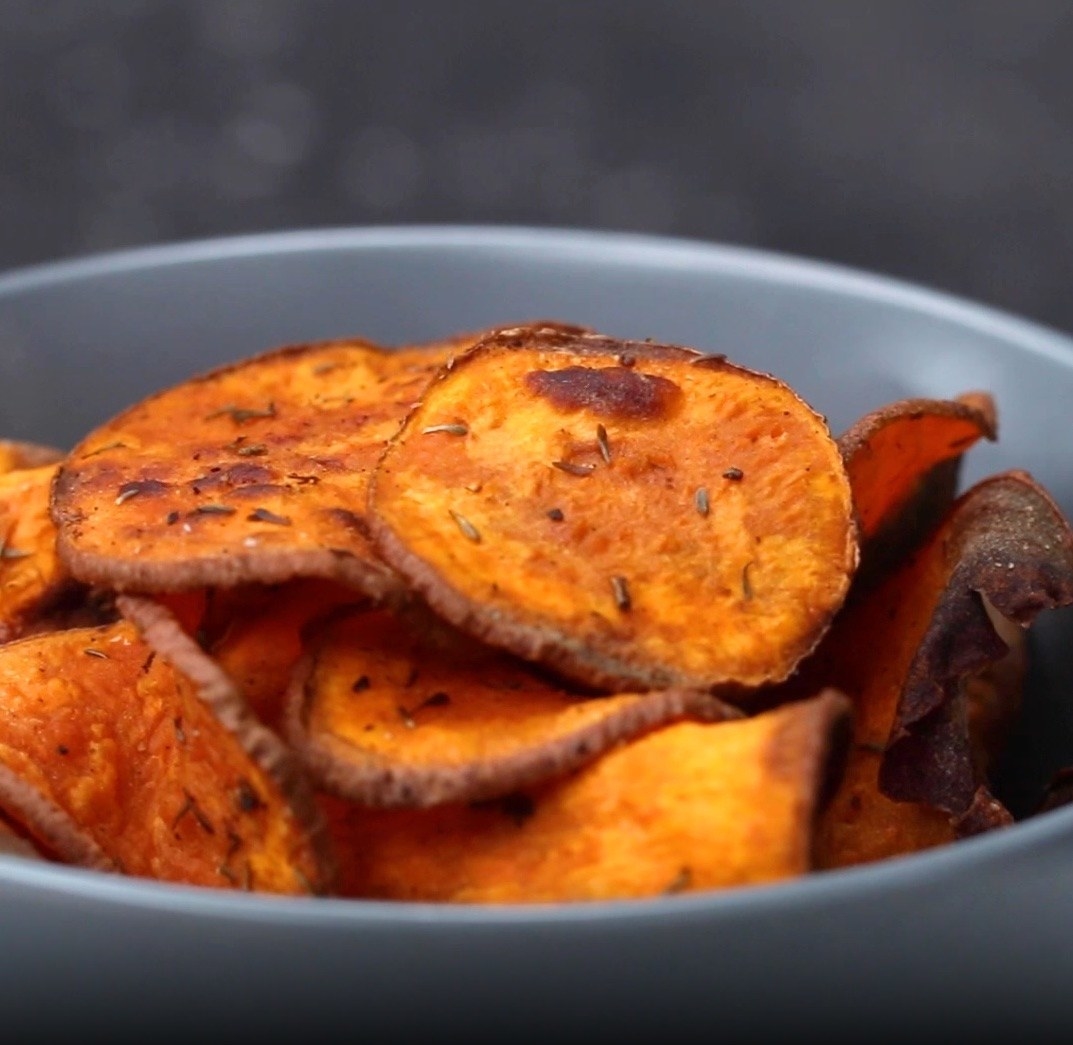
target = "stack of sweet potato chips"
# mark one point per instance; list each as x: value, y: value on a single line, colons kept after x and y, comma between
x: 527, y: 615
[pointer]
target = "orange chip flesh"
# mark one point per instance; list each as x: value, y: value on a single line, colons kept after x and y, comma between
x: 631, y: 515
x: 391, y: 712
x: 688, y: 807
x: 903, y: 462
x: 16, y: 455
x: 457, y: 344
x: 256, y: 472
x: 257, y: 635
x: 114, y: 759
x: 910, y: 654
x: 31, y: 576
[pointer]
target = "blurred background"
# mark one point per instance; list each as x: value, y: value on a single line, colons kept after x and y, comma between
x: 931, y: 141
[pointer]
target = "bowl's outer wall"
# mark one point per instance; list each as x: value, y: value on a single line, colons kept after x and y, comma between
x: 942, y: 941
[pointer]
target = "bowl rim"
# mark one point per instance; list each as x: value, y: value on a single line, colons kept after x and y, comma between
x: 936, y: 868
x: 608, y: 246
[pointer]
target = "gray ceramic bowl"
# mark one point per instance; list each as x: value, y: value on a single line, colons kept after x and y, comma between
x: 973, y: 940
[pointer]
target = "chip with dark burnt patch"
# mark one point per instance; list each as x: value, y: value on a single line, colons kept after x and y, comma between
x: 566, y: 524
x: 15, y: 455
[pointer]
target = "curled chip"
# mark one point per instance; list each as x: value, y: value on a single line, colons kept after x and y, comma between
x: 32, y: 579
x: 256, y: 472
x: 15, y: 455
x: 113, y: 755
x: 933, y: 681
x: 632, y: 515
x: 686, y: 807
x: 903, y: 462
x: 388, y: 711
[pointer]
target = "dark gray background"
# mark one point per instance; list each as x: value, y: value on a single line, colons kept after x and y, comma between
x: 929, y: 141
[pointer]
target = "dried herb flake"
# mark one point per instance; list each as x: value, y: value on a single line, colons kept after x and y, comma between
x: 571, y: 468
x: 264, y: 515
x: 469, y: 531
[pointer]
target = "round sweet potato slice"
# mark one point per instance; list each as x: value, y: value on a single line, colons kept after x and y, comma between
x: 389, y: 711
x: 255, y: 472
x: 634, y: 516
x: 687, y: 807
x: 114, y: 757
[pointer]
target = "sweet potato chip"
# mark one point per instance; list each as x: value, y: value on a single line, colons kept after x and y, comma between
x: 256, y: 472
x: 910, y: 654
x: 387, y: 711
x: 687, y: 807
x: 115, y: 757
x: 635, y: 516
x: 32, y: 580
x: 903, y: 462
x: 15, y: 455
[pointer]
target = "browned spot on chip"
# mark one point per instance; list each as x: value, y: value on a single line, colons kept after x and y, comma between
x: 608, y: 391
x: 389, y: 711
x: 545, y: 586
x: 123, y: 760
x: 686, y: 807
